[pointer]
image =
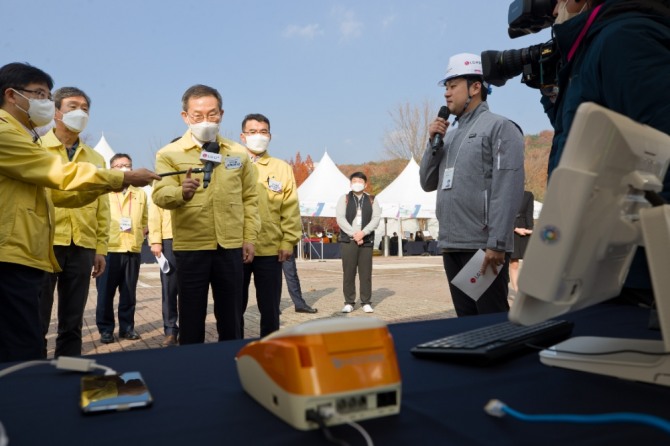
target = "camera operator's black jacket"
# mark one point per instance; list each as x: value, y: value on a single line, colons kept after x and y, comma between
x: 623, y: 63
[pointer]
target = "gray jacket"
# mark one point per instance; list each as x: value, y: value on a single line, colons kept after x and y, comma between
x: 486, y: 151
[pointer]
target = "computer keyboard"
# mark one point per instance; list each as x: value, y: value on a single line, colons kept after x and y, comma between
x: 494, y: 343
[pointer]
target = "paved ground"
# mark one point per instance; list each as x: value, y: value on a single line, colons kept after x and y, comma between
x: 404, y: 289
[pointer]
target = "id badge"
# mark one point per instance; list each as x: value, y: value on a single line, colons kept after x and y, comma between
x: 274, y: 185
x: 359, y: 218
x: 233, y: 162
x: 125, y: 224
x: 448, y: 178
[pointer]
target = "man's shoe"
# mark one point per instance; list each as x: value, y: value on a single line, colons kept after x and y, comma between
x: 106, y: 338
x: 368, y: 309
x: 347, y: 308
x: 131, y: 335
x: 306, y: 309
x: 170, y: 340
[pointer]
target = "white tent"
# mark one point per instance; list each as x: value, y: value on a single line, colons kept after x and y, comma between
x: 404, y: 198
x: 104, y: 149
x: 320, y: 192
x: 403, y: 202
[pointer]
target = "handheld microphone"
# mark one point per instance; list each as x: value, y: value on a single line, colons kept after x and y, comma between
x: 437, y: 139
x: 210, y: 155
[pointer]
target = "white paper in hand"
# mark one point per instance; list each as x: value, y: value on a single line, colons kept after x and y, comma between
x: 471, y: 281
x: 163, y: 263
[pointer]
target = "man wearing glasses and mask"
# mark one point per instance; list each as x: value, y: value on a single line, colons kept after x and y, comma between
x: 214, y: 228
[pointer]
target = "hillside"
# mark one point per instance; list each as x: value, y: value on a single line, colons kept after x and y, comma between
x: 381, y: 173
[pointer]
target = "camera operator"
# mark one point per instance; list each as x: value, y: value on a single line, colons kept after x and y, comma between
x: 615, y: 53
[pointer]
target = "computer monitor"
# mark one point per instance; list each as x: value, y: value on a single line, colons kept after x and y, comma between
x: 594, y: 217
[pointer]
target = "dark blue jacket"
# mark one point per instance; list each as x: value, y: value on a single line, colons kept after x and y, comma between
x: 623, y: 63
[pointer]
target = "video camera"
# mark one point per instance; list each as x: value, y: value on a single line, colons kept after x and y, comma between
x: 538, y: 64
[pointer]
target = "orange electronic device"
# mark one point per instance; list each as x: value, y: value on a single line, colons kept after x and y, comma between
x: 344, y: 367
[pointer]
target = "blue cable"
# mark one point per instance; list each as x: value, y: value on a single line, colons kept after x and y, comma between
x: 498, y: 408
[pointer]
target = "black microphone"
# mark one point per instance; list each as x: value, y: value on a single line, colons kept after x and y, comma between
x: 437, y: 139
x: 210, y: 155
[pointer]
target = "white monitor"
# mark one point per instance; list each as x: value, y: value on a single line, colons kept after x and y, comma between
x: 594, y: 216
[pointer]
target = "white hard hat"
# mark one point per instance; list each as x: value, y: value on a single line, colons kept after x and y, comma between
x: 464, y: 64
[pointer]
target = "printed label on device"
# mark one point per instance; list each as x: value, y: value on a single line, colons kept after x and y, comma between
x: 211, y: 156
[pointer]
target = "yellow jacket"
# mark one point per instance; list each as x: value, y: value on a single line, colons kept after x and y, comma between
x: 160, y: 224
x: 87, y: 226
x: 225, y: 214
x: 278, y: 205
x: 27, y: 216
x: 133, y: 204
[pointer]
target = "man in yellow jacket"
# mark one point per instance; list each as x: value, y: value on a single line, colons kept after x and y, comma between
x: 128, y: 227
x: 160, y: 240
x: 80, y: 241
x: 214, y: 221
x: 26, y: 220
x: 280, y: 221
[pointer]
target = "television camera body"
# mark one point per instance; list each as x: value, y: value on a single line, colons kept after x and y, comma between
x: 538, y: 64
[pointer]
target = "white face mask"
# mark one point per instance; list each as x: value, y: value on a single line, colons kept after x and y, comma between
x: 563, y: 14
x: 205, y: 131
x: 40, y: 111
x: 257, y: 143
x: 75, y: 120
x: 357, y: 187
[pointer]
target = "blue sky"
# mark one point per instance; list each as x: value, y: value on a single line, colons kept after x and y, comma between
x: 326, y: 73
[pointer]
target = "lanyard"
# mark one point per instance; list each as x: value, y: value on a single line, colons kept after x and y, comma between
x: 130, y: 204
x: 582, y: 33
x: 462, y: 141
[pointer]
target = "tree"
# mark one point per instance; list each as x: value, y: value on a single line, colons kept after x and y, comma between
x: 301, y: 169
x: 410, y: 135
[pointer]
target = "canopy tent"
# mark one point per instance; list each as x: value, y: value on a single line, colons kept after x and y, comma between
x: 403, y: 202
x: 320, y: 192
x: 104, y: 149
x: 404, y: 198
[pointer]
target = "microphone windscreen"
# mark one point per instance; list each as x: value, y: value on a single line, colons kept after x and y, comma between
x: 444, y: 112
x: 211, y: 146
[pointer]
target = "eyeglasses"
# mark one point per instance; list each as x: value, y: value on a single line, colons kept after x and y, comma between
x: 119, y: 166
x: 256, y: 132
x: 41, y: 94
x: 212, y: 117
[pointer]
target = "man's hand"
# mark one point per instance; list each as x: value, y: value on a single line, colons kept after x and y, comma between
x: 139, y: 177
x: 189, y: 186
x: 248, y: 251
x: 494, y: 259
x: 156, y: 249
x: 523, y: 231
x: 358, y: 236
x: 284, y: 255
x: 438, y: 126
x: 99, y: 264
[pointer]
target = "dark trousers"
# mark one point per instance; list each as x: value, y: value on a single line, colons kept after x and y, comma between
x: 356, y: 258
x: 73, y: 283
x: 20, y: 326
x: 170, y: 292
x: 122, y: 272
x: 267, y: 280
x: 293, y: 282
x: 196, y: 270
x: 493, y: 300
